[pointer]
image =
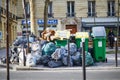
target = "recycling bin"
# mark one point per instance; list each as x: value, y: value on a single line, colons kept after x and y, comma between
x: 78, y: 42
x: 63, y: 37
x: 99, y: 48
x: 99, y: 43
x: 60, y: 43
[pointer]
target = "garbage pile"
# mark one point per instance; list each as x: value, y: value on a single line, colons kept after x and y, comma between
x: 47, y: 54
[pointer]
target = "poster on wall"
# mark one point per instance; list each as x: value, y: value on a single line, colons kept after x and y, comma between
x: 0, y: 34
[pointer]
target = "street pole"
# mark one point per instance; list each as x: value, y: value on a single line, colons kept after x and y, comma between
x: 116, y: 52
x: 94, y: 20
x: 7, y: 38
x: 94, y: 17
x: 83, y: 59
x: 27, y: 33
x: 117, y: 42
x: 68, y: 59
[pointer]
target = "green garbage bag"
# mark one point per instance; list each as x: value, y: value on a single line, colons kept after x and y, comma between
x: 88, y: 59
x: 49, y: 48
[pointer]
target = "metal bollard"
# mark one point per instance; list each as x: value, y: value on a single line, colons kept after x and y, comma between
x: 116, y: 51
x: 83, y: 59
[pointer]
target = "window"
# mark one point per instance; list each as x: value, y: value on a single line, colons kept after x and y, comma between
x: 91, y: 8
x: 70, y: 9
x: 0, y: 3
x: 111, y: 8
x: 50, y: 14
x: 28, y: 9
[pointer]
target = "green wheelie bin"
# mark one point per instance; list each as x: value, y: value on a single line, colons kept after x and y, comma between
x: 99, y: 43
x: 60, y: 43
x: 99, y: 48
x: 78, y: 41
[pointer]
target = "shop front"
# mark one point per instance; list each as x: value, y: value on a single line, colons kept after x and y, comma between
x: 108, y: 23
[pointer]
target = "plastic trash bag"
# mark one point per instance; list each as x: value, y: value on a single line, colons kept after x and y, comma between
x: 57, y: 54
x: 88, y: 59
x: 35, y: 46
x: 36, y: 51
x: 45, y: 59
x: 76, y: 58
x: 65, y: 61
x: 73, y: 48
x: 43, y: 42
x: 54, y: 64
x: 37, y: 55
x: 22, y: 55
x: 63, y: 52
x: 3, y: 60
x: 48, y: 48
x: 30, y: 60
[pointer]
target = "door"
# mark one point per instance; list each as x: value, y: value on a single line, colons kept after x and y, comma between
x: 72, y: 28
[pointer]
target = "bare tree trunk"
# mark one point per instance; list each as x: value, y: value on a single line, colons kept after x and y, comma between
x: 34, y: 28
x: 46, y: 13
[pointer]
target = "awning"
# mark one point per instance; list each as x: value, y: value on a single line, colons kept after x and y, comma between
x: 107, y: 22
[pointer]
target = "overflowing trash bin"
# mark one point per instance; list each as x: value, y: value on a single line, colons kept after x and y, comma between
x: 99, y: 43
x: 60, y: 43
x: 78, y: 40
x: 62, y: 38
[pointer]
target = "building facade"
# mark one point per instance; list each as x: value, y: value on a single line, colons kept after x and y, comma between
x: 75, y: 15
x: 12, y: 22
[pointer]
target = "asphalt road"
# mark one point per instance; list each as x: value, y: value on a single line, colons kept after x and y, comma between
x: 62, y: 75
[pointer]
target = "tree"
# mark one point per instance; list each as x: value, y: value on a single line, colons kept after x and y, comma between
x: 32, y: 17
x: 46, y: 13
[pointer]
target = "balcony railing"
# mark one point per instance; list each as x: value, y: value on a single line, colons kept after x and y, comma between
x: 111, y: 14
x: 27, y: 15
x: 3, y: 11
x: 11, y: 15
x: 91, y: 14
x: 70, y: 14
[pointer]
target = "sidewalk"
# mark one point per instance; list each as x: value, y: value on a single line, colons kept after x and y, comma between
x: 110, y: 64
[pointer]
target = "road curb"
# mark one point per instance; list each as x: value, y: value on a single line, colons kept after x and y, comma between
x: 4, y: 66
x: 21, y: 68
x: 68, y: 68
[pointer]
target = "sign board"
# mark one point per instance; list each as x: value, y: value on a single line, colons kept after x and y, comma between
x: 62, y: 34
x: 99, y: 43
x: 0, y: 34
x: 50, y: 21
x: 82, y: 35
x: 23, y: 22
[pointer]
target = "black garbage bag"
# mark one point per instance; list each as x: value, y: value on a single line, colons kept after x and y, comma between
x: 43, y: 42
x: 90, y: 50
x: 73, y: 48
x: 65, y: 61
x: 76, y: 58
x: 54, y: 64
x: 3, y: 60
x: 72, y: 39
x: 14, y: 58
x: 45, y: 59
